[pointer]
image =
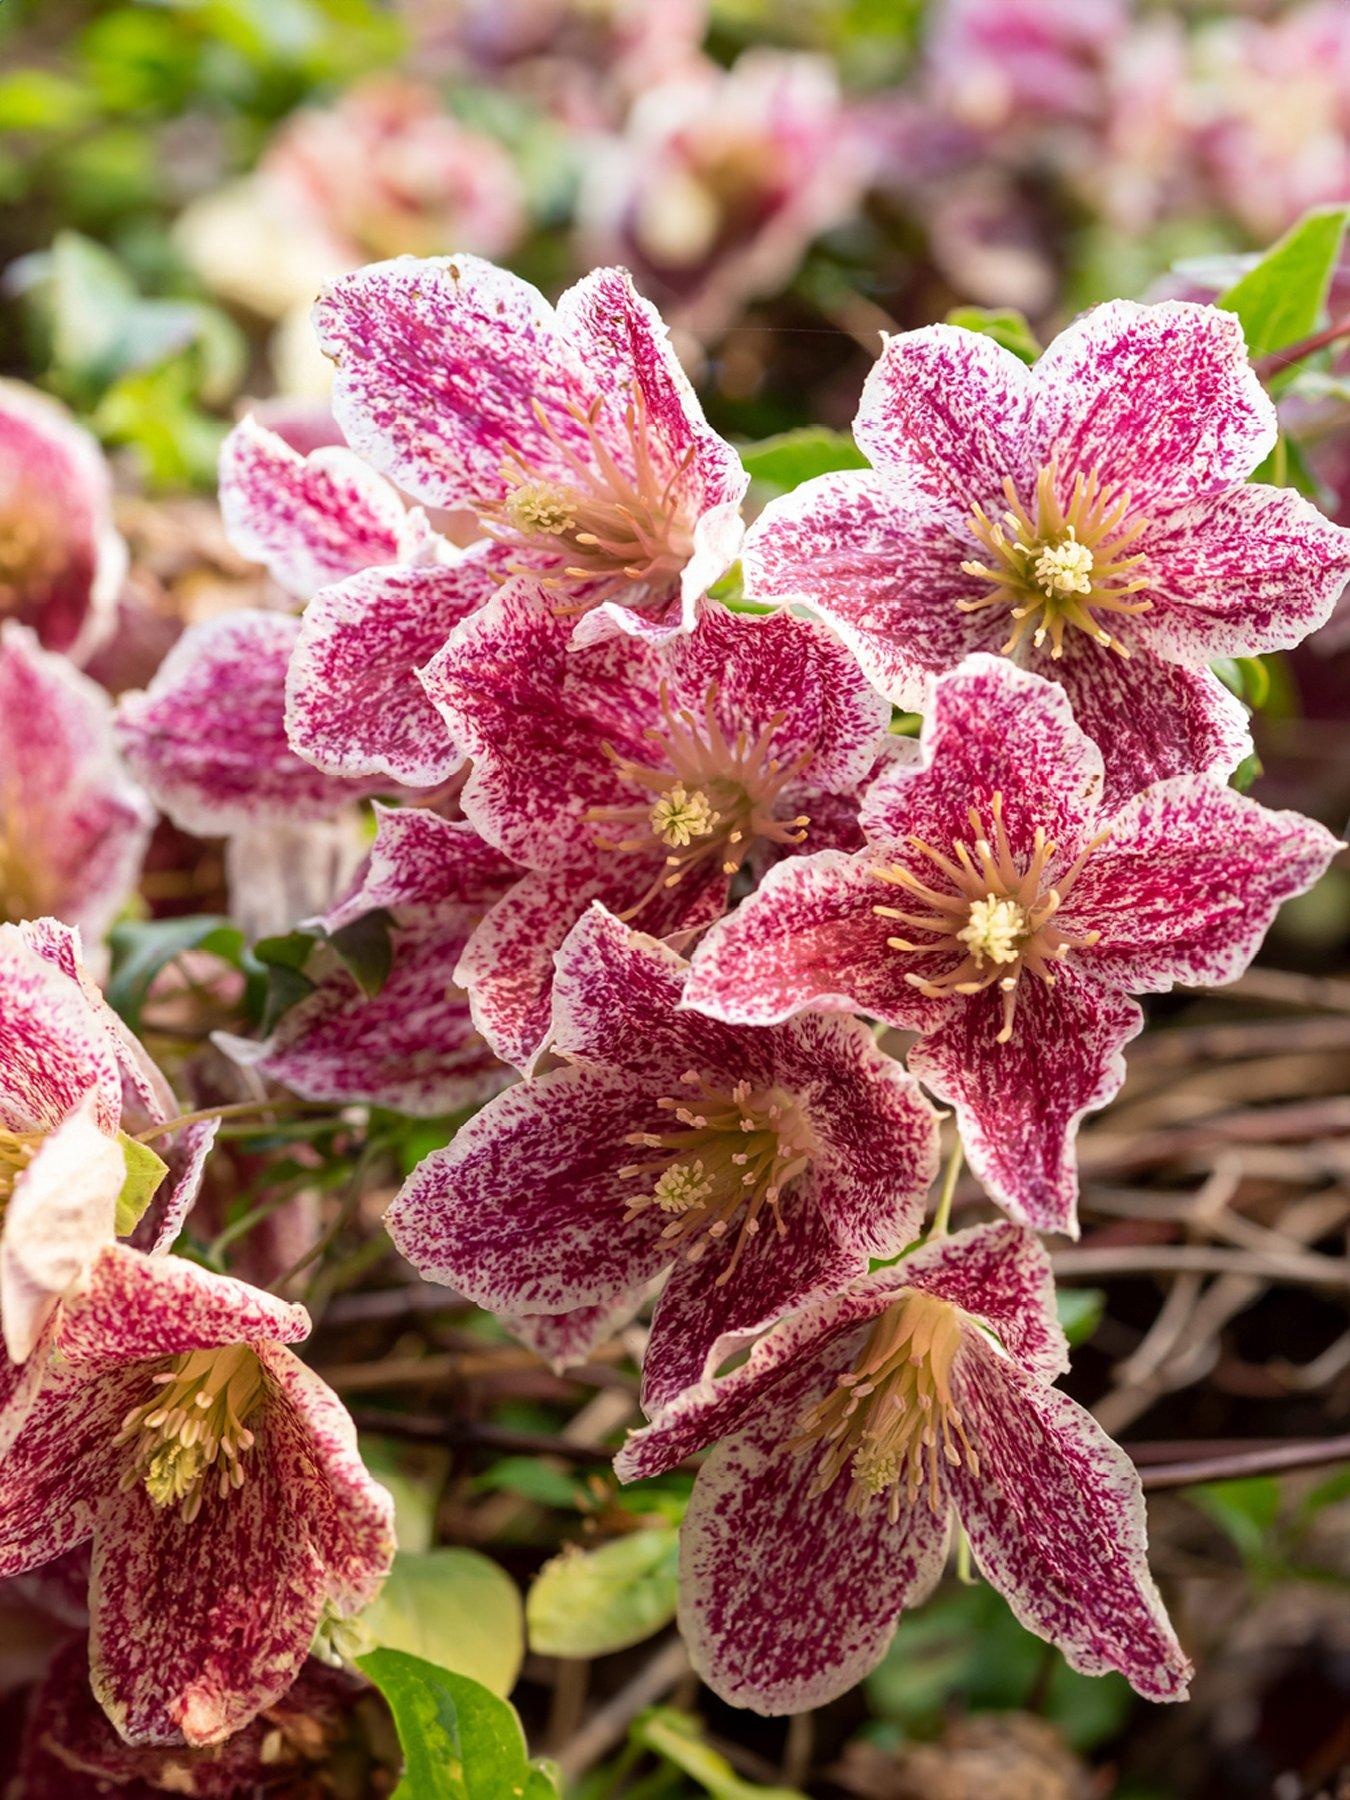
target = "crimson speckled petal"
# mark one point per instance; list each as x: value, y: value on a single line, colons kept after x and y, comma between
x: 76, y: 827
x: 207, y: 738
x: 355, y: 704
x: 1055, y: 1521
x: 421, y: 864
x: 52, y: 1049
x: 312, y: 519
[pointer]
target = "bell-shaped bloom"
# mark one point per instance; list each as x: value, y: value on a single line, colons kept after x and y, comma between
x: 413, y: 1045
x: 384, y: 592
x: 996, y: 66
x: 761, y: 1167
x: 1090, y: 518
x: 720, y: 182
x: 61, y: 559
x: 572, y: 433
x: 67, y: 1735
x: 387, y: 170
x: 1002, y: 912
x: 651, y: 777
x: 73, y: 828
x: 857, y: 1432
x: 80, y: 1107
x: 163, y: 1418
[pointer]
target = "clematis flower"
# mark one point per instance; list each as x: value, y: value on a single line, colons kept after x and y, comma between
x: 573, y: 434
x: 1087, y: 518
x: 61, y: 560
x: 720, y: 182
x: 163, y: 1416
x: 996, y: 66
x: 67, y: 1735
x: 73, y: 828
x: 79, y: 1150
x: 760, y: 1167
x: 650, y: 777
x: 1003, y: 912
x: 413, y: 1045
x: 845, y: 1447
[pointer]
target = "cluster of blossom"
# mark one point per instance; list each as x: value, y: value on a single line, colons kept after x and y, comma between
x: 658, y: 872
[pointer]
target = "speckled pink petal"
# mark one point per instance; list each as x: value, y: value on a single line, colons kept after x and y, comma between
x: 535, y: 719
x: 524, y: 1211
x: 1018, y: 1105
x: 881, y: 568
x: 1187, y: 884
x: 1152, y: 719
x: 420, y: 865
x: 563, y: 1340
x: 134, y: 1308
x: 1001, y: 1275
x: 943, y: 419
x: 1239, y: 574
x: 354, y: 702
x: 1160, y: 399
x: 53, y: 474
x: 438, y: 365
x: 75, y: 825
x: 788, y: 1600
x: 1055, y: 1519
x: 413, y: 1046
x: 52, y: 1050
x: 58, y: 1217
x: 185, y: 1152
x: 312, y: 519
x: 207, y: 738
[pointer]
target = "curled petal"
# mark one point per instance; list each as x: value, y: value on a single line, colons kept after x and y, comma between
x: 1001, y: 1274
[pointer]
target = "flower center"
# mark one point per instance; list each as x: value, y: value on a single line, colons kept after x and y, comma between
x: 194, y: 1426
x: 28, y: 556
x: 891, y: 1420
x: 723, y: 1164
x: 997, y: 918
x: 614, y: 529
x: 1062, y: 567
x: 17, y: 1150
x: 715, y: 797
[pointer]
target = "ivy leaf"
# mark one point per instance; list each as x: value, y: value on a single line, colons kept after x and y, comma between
x: 142, y: 947
x: 1280, y: 300
x: 459, y: 1741
x: 1004, y: 324
x: 454, y: 1608
x: 589, y: 1602
x: 144, y: 1173
x: 782, y: 463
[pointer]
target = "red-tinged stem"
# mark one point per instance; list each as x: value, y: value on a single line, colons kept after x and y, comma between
x: 1229, y: 1465
x: 1278, y: 360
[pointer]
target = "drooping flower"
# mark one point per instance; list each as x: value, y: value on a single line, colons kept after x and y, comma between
x: 847, y: 1445
x: 73, y: 828
x: 163, y: 1416
x: 61, y: 559
x: 80, y: 1104
x: 651, y: 777
x: 1089, y: 518
x: 572, y: 433
x: 387, y: 170
x: 413, y: 1045
x: 1003, y: 912
x: 720, y: 181
x: 760, y: 1167
x: 67, y: 1735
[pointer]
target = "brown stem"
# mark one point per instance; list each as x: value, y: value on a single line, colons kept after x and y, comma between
x: 424, y: 1428
x: 1266, y: 366
x: 1267, y: 1459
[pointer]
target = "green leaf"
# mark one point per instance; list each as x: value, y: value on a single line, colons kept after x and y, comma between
x: 1246, y: 1510
x: 1080, y: 1312
x: 532, y: 1479
x: 589, y: 1602
x: 365, y: 949
x: 142, y: 947
x: 785, y: 461
x: 37, y: 100
x: 144, y: 1173
x: 1281, y: 299
x: 1004, y: 324
x: 454, y: 1608
x: 459, y: 1741
x: 679, y: 1739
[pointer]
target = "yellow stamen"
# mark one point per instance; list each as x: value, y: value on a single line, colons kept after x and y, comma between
x: 679, y: 817
x: 194, y: 1428
x: 17, y: 1150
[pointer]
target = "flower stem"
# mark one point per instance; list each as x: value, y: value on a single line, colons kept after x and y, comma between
x: 944, y: 1206
x: 233, y: 1111
x: 1279, y: 360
